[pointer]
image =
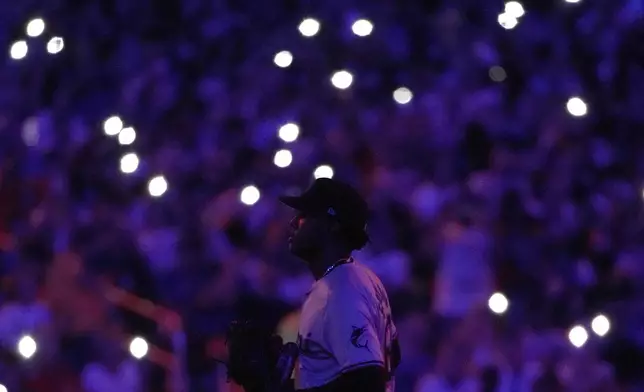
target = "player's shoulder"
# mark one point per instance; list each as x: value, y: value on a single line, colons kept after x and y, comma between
x: 354, y: 274
x: 354, y: 279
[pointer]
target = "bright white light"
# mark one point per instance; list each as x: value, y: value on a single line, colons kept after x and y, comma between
x: 514, y: 9
x: 498, y: 303
x: 3, y: 388
x: 403, y: 95
x: 573, y: 1
x: 289, y: 132
x: 342, y: 80
x: 323, y: 171
x: 283, y: 158
x: 55, y: 45
x: 577, y: 107
x: 309, y: 27
x: 157, y: 186
x: 127, y: 136
x: 139, y: 348
x: 507, y: 21
x: 578, y: 336
x: 600, y: 325
x: 283, y: 59
x: 35, y: 27
x: 112, y: 126
x: 129, y: 163
x: 18, y: 50
x: 249, y: 195
x: 27, y: 347
x: 362, y: 27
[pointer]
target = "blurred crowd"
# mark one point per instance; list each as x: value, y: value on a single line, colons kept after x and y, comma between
x: 508, y: 161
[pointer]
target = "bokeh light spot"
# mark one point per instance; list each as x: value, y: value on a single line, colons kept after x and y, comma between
x: 403, y: 95
x: 577, y: 107
x: 498, y: 303
x: 35, y: 27
x: 129, y: 163
x: 249, y: 195
x: 139, y: 348
x: 309, y: 27
x: 157, y: 186
x: 112, y: 126
x: 323, y: 171
x: 283, y: 158
x: 19, y: 50
x: 600, y: 325
x: 342, y: 80
x: 283, y: 59
x: 289, y: 132
x: 362, y: 27
x: 27, y: 347
x: 578, y: 336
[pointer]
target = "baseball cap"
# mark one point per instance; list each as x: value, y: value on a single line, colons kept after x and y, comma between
x: 334, y: 198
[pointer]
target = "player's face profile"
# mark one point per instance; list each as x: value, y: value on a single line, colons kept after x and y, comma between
x: 307, y: 235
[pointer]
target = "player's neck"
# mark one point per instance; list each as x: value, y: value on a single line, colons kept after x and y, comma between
x: 320, y: 265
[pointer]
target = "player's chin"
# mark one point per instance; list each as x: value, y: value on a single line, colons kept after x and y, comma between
x: 294, y: 249
x: 297, y: 250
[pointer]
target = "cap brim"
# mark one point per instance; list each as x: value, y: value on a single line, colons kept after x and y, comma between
x: 295, y: 202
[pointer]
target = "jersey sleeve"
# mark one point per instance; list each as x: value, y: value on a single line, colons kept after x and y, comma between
x: 352, y: 333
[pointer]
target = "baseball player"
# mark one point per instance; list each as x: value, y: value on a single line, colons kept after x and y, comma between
x: 347, y: 340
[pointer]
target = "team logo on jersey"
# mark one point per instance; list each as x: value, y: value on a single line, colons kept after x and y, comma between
x: 357, y: 335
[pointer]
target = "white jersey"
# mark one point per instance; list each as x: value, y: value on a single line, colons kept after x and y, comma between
x: 345, y: 324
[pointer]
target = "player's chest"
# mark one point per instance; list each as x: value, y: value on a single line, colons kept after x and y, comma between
x: 311, y: 332
x: 316, y: 361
